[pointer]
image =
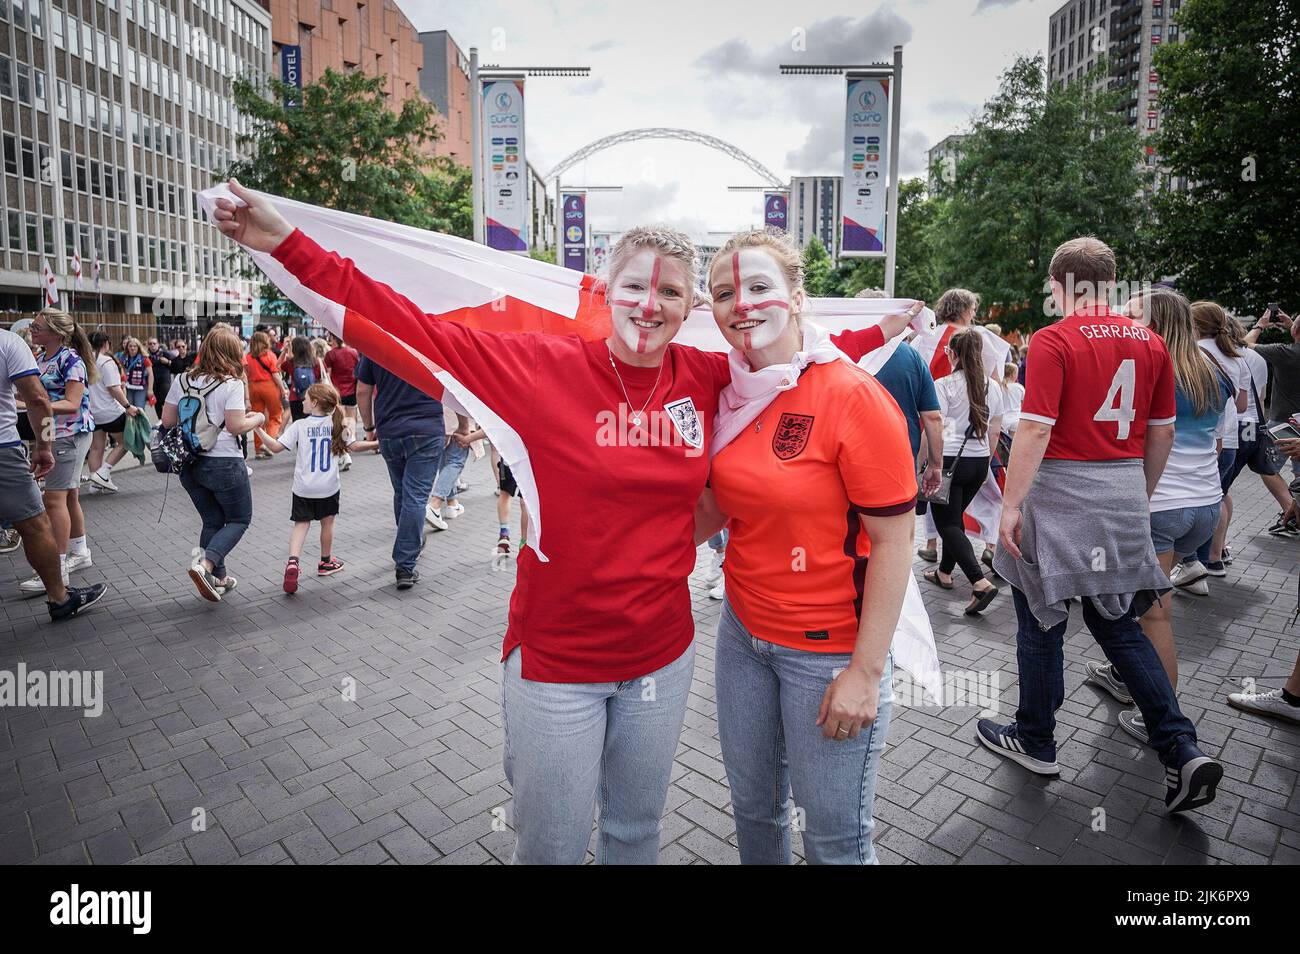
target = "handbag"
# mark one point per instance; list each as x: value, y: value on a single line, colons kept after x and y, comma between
x: 944, y: 491
x: 1265, y: 458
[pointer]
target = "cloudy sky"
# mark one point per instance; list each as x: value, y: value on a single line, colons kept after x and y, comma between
x: 711, y: 66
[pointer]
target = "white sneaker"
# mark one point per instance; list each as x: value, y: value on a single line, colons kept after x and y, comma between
x: 1268, y: 703
x: 346, y: 462
x: 79, y: 561
x: 249, y: 470
x: 35, y: 587
x: 718, y: 591
x: 103, y: 482
x: 433, y: 518
x: 1185, y: 574
x: 461, y: 485
x: 452, y: 511
x: 1199, y: 588
x: 714, y: 572
x: 501, y: 554
x: 9, y: 540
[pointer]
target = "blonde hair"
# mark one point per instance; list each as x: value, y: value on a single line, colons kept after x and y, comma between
x: 326, y: 399
x: 1211, y: 321
x: 259, y: 343
x: 1171, y: 318
x: 319, y: 348
x: 139, y: 348
x: 221, y: 354
x: 662, y: 240
x: 73, y: 336
x: 954, y: 303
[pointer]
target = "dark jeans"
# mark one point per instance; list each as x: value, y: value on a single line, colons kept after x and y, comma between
x: 967, y: 478
x: 1042, y: 679
x: 221, y: 494
x: 412, y: 463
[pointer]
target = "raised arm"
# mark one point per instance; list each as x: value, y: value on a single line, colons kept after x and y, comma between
x: 855, y: 343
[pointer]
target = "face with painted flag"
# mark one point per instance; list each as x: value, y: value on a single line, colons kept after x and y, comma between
x: 752, y: 300
x: 648, y: 301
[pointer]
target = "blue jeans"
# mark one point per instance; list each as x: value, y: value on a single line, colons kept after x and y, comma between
x: 1042, y: 679
x: 453, y: 462
x: 571, y: 747
x: 1184, y: 529
x: 412, y: 462
x: 221, y: 494
x: 138, y: 397
x: 768, y: 701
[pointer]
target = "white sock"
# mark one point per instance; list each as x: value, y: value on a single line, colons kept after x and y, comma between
x: 77, y: 545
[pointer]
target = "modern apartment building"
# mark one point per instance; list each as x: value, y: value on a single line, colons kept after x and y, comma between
x: 815, y: 210
x: 373, y: 36
x: 1126, y: 33
x: 445, y: 81
x: 113, y: 114
x: 944, y: 154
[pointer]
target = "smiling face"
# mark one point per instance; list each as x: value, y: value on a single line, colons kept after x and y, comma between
x: 648, y: 301
x: 752, y: 300
x: 43, y: 336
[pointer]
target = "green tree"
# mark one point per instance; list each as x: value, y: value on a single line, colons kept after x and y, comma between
x: 342, y: 147
x: 1042, y: 164
x: 1228, y: 93
x: 818, y: 269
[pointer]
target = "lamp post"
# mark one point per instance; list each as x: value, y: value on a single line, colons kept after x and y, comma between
x: 494, y: 71
x: 894, y: 72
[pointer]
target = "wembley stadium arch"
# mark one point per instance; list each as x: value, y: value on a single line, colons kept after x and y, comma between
x: 664, y: 132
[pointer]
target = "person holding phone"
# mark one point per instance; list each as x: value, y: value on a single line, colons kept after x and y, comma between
x: 1284, y: 361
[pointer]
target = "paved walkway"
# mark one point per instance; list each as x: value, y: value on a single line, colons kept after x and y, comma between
x: 225, y: 738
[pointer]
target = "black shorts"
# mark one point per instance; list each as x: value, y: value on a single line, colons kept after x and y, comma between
x: 307, y: 509
x: 348, y: 400
x: 508, y: 485
x: 116, y: 426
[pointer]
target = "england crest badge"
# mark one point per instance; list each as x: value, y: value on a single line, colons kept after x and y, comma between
x: 687, y: 422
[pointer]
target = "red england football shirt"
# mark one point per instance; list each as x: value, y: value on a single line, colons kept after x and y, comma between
x: 1099, y: 379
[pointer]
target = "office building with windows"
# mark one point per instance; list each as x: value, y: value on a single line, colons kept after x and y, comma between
x: 445, y: 81
x: 113, y: 115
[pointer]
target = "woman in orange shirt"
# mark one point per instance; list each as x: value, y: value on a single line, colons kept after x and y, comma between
x: 814, y: 472
x: 265, y: 386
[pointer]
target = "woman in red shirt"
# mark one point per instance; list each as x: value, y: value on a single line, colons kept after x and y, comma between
x: 813, y: 467
x: 265, y: 386
x: 598, y: 653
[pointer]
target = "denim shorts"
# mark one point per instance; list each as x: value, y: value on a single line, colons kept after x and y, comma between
x: 1183, y: 529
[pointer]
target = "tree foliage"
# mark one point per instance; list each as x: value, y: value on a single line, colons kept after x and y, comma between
x: 1042, y: 165
x: 1230, y: 95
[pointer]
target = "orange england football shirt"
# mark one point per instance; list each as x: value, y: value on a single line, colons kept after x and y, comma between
x: 793, y: 484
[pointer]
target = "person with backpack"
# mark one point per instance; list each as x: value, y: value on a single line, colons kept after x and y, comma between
x: 320, y: 439
x: 205, y: 412
x: 304, y: 370
x: 266, y: 389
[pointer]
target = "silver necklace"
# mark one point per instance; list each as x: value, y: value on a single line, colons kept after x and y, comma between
x: 635, y: 416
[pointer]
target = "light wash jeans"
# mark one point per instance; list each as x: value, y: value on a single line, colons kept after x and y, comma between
x: 449, y: 469
x: 768, y: 700
x: 570, y: 747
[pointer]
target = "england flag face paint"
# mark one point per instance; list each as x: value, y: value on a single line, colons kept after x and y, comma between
x: 751, y: 299
x: 648, y: 301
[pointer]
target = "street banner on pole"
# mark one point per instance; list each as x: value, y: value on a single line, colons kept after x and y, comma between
x: 291, y: 71
x: 866, y: 157
x: 505, y: 172
x: 776, y: 210
x: 574, y: 230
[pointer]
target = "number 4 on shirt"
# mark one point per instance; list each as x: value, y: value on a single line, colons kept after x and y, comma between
x: 1120, y: 411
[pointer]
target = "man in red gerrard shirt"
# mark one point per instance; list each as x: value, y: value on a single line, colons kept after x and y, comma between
x: 1095, y: 432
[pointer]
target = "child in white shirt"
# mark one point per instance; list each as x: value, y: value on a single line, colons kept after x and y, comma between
x: 320, y: 438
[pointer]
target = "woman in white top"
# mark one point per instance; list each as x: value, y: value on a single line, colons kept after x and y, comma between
x: 1249, y: 451
x: 1014, y: 392
x: 216, y: 478
x: 110, y: 409
x: 972, y: 410
x: 1215, y: 339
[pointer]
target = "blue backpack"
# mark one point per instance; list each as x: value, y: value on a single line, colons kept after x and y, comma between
x: 175, y: 447
x: 303, y: 378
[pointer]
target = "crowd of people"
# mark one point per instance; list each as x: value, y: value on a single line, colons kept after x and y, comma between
x: 1110, y: 442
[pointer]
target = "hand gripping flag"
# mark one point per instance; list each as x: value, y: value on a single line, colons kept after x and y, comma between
x: 458, y: 280
x: 930, y: 343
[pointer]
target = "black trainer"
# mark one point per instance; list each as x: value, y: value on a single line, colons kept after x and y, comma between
x: 79, y: 598
x: 407, y: 578
x: 1003, y: 740
x: 1191, y: 779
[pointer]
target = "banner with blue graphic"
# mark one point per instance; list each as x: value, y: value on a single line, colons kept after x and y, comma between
x: 291, y: 71
x: 505, y: 170
x: 776, y: 210
x: 573, y: 230
x: 866, y: 158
